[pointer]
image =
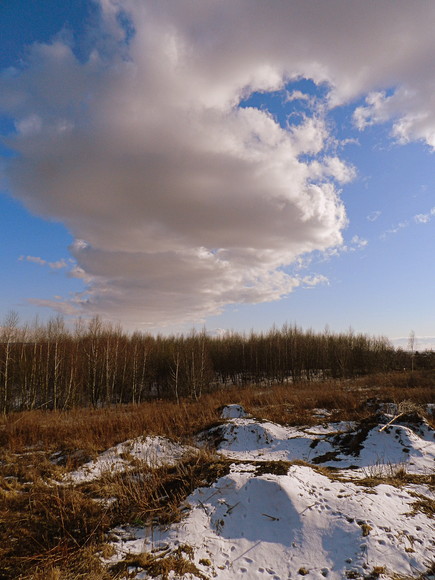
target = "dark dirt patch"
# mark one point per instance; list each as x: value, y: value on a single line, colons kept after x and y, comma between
x: 272, y: 467
x: 352, y: 443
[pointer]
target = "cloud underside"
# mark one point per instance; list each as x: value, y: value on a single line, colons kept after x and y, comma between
x: 181, y: 200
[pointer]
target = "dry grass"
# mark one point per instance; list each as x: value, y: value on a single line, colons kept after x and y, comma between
x: 94, y: 430
x: 43, y: 527
x: 56, y: 530
x: 428, y: 575
x: 147, y: 496
x: 97, y: 429
x: 423, y: 504
x: 161, y: 565
x: 395, y: 475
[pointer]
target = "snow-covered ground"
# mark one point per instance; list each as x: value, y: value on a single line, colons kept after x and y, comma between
x: 340, y: 445
x: 278, y: 514
x: 154, y: 451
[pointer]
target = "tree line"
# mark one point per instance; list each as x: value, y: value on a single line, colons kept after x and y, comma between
x: 96, y: 364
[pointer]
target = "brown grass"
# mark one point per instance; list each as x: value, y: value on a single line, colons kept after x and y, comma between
x: 57, y: 529
x: 94, y: 430
x: 147, y: 496
x: 45, y: 526
x: 160, y: 565
x: 423, y: 504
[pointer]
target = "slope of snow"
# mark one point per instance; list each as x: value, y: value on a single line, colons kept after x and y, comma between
x: 280, y: 521
x: 247, y: 439
x: 155, y: 451
x: 233, y: 412
x: 399, y: 445
x: 273, y: 526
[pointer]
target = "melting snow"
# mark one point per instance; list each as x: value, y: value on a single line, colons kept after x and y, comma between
x: 155, y: 451
x: 233, y: 412
x: 270, y: 525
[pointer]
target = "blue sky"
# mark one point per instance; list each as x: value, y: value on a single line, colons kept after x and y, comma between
x: 163, y: 166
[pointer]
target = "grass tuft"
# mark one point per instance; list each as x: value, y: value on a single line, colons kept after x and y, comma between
x: 160, y: 565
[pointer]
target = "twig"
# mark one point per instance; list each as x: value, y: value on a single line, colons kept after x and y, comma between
x: 203, y: 507
x: 307, y: 508
x: 392, y: 421
x: 230, y: 509
x: 403, y: 407
x: 273, y: 518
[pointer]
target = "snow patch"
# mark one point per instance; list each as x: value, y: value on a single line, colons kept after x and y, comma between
x: 272, y: 526
x: 233, y: 412
x: 154, y: 451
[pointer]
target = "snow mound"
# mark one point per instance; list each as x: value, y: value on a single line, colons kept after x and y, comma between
x: 154, y: 451
x: 274, y: 526
x: 247, y: 439
x: 409, y: 442
x: 233, y: 412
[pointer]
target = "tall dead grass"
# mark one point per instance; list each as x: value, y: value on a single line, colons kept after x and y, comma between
x: 58, y: 529
x: 94, y: 430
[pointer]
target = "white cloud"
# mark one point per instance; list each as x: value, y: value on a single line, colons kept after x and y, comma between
x: 411, y: 111
x: 358, y: 243
x: 59, y: 264
x: 374, y: 215
x: 297, y: 96
x: 421, y: 218
x: 65, y: 308
x: 355, y: 244
x: 395, y: 229
x: 186, y: 202
x: 29, y: 125
x: 422, y: 343
x: 376, y: 110
x: 424, y: 218
x: 311, y: 281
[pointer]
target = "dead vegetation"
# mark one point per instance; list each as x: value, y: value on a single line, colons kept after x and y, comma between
x: 423, y: 504
x: 86, y: 431
x: 55, y: 526
x: 44, y: 527
x: 160, y: 564
x: 394, y: 475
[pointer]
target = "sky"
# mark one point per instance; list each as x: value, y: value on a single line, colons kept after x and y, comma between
x: 233, y: 164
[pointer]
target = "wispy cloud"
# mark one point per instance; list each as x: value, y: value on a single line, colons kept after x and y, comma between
x: 314, y: 280
x: 67, y: 308
x: 420, y: 342
x: 58, y: 265
x: 374, y: 215
x: 421, y: 218
x: 355, y: 244
x: 395, y: 229
x: 297, y: 96
x: 424, y: 218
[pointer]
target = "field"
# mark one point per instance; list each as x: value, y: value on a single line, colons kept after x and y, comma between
x: 303, y: 480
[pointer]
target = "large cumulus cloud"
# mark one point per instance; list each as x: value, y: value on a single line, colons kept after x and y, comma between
x: 181, y: 200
